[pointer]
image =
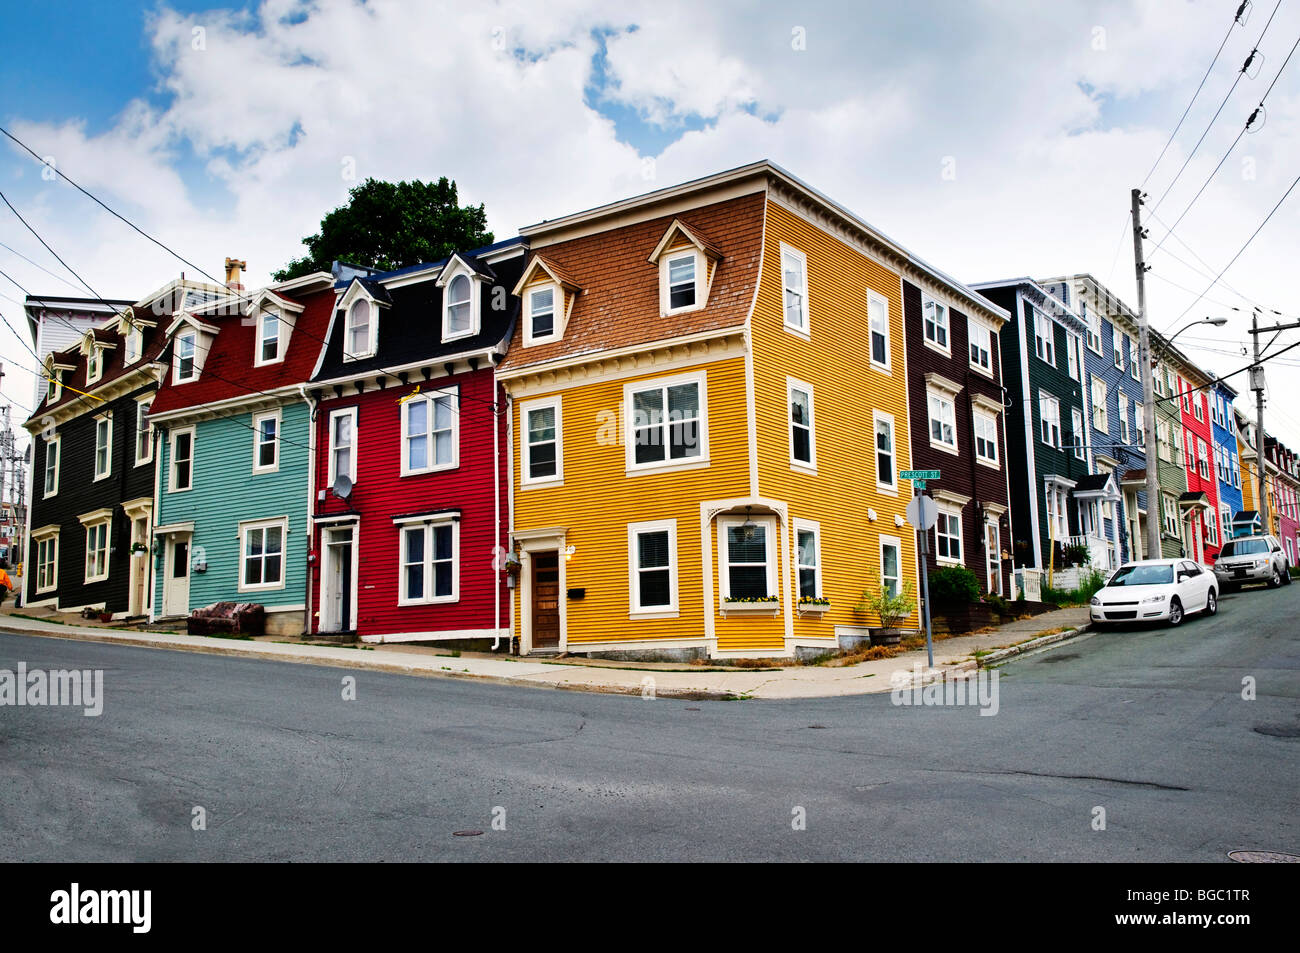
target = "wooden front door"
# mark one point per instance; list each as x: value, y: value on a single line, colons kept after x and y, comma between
x: 546, y: 600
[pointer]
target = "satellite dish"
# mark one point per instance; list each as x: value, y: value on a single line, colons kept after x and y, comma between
x: 342, y: 486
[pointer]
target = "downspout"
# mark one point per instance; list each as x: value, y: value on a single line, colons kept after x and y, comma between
x: 311, y: 495
x: 157, y: 515
x: 496, y: 505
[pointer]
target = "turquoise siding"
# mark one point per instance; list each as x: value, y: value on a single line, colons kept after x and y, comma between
x: 225, y: 493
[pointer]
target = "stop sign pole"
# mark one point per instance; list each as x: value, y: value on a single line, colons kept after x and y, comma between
x: 922, y: 513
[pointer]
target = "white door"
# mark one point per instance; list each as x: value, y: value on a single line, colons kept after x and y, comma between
x: 336, y: 582
x: 139, y: 567
x: 176, y: 575
x: 993, y: 549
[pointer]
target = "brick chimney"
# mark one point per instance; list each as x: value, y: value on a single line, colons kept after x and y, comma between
x: 234, y: 271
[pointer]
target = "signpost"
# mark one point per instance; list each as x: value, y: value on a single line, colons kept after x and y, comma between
x: 922, y: 513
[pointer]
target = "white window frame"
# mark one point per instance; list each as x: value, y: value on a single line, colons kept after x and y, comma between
x: 54, y: 387
x: 1094, y: 332
x: 258, y: 359
x: 1100, y: 410
x: 274, y: 465
x: 942, y: 320
x: 57, y: 444
x: 724, y: 555
x: 372, y: 326
x: 525, y: 408
x: 94, y: 364
x: 634, y: 569
x: 429, y: 398
x: 699, y: 378
x: 474, y: 305
x: 1080, y: 437
x: 1202, y: 459
x: 801, y: 329
x: 897, y: 545
x: 951, y: 512
x: 793, y: 384
x: 100, y: 527
x: 133, y: 347
x: 665, y: 291
x: 1044, y: 338
x: 978, y: 418
x: 428, y: 562
x: 171, y: 460
x: 105, y: 421
x: 192, y: 336
x: 1134, y: 353
x: 557, y: 304
x: 878, y: 417
x: 1198, y: 405
x: 47, y: 545
x: 1072, y: 356
x: 1117, y: 344
x: 1169, y: 512
x: 880, y: 302
x: 807, y: 526
x: 331, y: 469
x: 976, y: 332
x: 281, y: 522
x: 142, y: 407
x: 1122, y: 402
x: 943, y: 397
x: 1046, y: 400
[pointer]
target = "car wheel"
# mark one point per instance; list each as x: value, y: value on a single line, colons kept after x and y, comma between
x: 1211, y: 603
x: 1175, y: 611
x: 1275, y: 578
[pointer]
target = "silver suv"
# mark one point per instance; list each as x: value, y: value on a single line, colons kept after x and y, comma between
x: 1251, y: 559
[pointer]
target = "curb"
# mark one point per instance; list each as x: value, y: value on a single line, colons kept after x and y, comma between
x: 1043, y: 641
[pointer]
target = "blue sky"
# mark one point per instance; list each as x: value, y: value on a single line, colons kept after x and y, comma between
x: 993, y: 137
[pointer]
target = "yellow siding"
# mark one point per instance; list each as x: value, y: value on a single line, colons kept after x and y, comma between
x: 846, y: 390
x: 598, y: 499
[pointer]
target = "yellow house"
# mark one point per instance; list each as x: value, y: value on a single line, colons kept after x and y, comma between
x: 708, y: 417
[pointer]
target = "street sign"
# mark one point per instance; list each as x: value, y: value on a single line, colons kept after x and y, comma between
x: 918, y: 484
x: 920, y: 474
x: 922, y: 512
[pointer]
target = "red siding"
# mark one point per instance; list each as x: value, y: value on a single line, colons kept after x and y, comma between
x: 1203, y: 430
x: 381, y: 492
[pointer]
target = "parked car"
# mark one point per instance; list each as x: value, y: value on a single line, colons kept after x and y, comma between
x: 1251, y: 559
x: 1155, y: 590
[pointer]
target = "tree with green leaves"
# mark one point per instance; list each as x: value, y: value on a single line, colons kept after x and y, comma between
x: 388, y: 225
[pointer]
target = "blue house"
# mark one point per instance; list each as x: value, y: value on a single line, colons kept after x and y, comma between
x: 1227, y: 466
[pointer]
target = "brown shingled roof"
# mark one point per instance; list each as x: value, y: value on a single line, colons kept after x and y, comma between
x: 619, y: 304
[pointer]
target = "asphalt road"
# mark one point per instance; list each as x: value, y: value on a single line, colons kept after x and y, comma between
x: 1149, y: 724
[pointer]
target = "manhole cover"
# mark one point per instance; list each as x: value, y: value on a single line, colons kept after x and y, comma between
x: 1262, y: 857
x: 1049, y: 659
x: 466, y: 833
x: 1279, y: 731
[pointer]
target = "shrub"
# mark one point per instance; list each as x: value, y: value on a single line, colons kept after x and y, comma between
x: 954, y: 586
x: 1076, y: 555
x: 891, y: 609
x: 998, y: 604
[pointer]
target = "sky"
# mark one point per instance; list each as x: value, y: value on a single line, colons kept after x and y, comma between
x: 994, y: 138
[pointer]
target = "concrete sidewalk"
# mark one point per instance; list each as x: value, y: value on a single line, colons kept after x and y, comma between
x: 951, y: 655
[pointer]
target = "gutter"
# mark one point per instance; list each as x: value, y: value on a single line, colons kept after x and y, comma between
x: 311, y: 497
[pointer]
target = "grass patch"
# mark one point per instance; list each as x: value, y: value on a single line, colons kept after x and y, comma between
x: 36, y: 618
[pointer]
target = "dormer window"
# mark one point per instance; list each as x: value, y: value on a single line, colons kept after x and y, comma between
x: 541, y: 313
x: 686, y: 264
x: 94, y: 365
x: 459, y: 307
x: 360, y: 327
x: 134, y: 345
x: 681, y: 271
x: 547, y: 294
x: 268, y: 338
x: 55, y: 390
x: 184, y: 368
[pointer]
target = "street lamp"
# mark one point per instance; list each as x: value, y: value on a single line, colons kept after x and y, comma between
x: 1217, y: 322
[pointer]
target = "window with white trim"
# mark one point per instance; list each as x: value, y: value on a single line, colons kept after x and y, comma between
x: 343, y: 444
x: 430, y: 563
x: 947, y: 534
x: 807, y: 558
x: 103, y: 446
x: 981, y: 346
x: 1094, y: 329
x: 1162, y: 441
x: 1125, y: 435
x: 891, y: 564
x: 1072, y: 356
x: 986, y: 437
x: 667, y: 422
x: 94, y: 364
x: 459, y: 308
x: 1044, y: 340
x: 97, y: 551
x: 182, y: 460
x: 542, y: 325
x: 359, y: 331
x: 54, y: 386
x: 1202, y: 466
x: 1100, y: 418
x: 884, y: 428
x: 1198, y: 406
x: 943, y: 421
x: 543, y: 442
x: 935, y: 319
x: 1118, y: 343
x: 878, y: 323
x: 1139, y: 421
x: 803, y: 445
x: 262, y: 554
x: 47, y: 563
x: 430, y: 433
x: 1049, y: 419
x: 185, y: 369
x: 134, y: 347
x: 1212, y: 528
x: 652, y: 567
x: 794, y: 288
x: 748, y: 563
x: 143, y: 432
x: 268, y: 338
x: 1169, y: 508
x: 1079, y: 438
x: 1133, y: 356
x: 53, y: 451
x: 680, y: 282
x: 266, y: 442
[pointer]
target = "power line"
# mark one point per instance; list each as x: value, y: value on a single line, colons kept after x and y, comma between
x: 93, y: 292
x: 41, y: 267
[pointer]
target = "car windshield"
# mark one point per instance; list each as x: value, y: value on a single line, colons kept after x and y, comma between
x: 1244, y: 547
x: 1142, y: 576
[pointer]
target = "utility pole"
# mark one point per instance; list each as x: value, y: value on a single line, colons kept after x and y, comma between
x: 1257, y: 385
x: 1155, y: 503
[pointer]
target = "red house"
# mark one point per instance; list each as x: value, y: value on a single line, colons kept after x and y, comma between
x: 411, y: 511
x: 1200, y: 504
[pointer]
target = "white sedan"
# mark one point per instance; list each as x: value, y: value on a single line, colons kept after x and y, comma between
x: 1156, y: 590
